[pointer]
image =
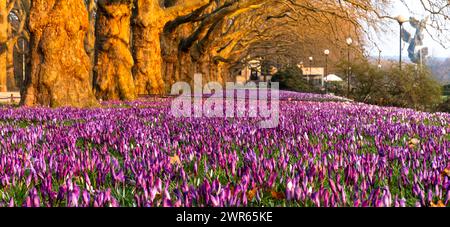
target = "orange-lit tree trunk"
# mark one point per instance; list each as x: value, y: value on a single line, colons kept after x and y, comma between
x: 173, y: 59
x: 60, y: 65
x: 89, y: 42
x: 169, y: 55
x: 148, y: 26
x: 10, y: 76
x: 113, y: 79
x: 3, y: 43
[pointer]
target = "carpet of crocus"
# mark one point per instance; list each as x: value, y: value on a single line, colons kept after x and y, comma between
x: 326, y: 152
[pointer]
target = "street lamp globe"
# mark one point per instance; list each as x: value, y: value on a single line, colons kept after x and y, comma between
x: 349, y: 41
x: 311, y: 58
x: 327, y: 52
x: 401, y: 19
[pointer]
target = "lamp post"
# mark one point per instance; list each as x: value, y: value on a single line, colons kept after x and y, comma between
x: 379, y: 59
x: 310, y: 67
x: 327, y: 53
x: 401, y: 20
x: 349, y: 43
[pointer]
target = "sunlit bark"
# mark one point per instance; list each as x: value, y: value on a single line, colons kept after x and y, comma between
x: 148, y: 26
x: 60, y: 65
x: 113, y: 78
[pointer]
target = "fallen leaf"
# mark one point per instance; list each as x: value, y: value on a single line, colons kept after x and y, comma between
x: 175, y: 160
x: 251, y: 194
x: 439, y: 204
x: 413, y: 142
x: 277, y: 195
x: 446, y: 172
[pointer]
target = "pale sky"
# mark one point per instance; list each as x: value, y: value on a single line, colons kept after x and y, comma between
x: 389, y: 42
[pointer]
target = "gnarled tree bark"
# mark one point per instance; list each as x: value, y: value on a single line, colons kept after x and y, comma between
x: 59, y: 63
x: 3, y: 43
x: 114, y: 79
x: 148, y: 26
x: 89, y: 42
x: 10, y: 77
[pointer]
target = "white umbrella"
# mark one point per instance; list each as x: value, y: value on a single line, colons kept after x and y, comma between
x: 333, y: 78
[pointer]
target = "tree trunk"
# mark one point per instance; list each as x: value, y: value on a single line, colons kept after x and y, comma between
x: 204, y: 66
x: 59, y: 63
x: 186, y: 67
x: 10, y: 75
x: 3, y: 44
x: 89, y: 42
x: 183, y: 66
x: 223, y: 73
x: 147, y: 28
x: 147, y: 55
x: 149, y: 22
x: 114, y: 79
x: 170, y: 52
